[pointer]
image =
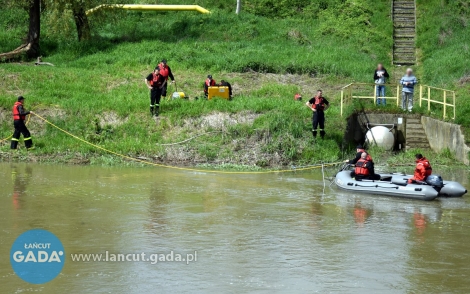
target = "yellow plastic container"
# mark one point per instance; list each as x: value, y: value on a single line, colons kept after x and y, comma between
x: 221, y: 92
x: 177, y: 95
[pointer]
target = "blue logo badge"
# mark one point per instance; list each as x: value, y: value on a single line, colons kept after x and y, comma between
x: 37, y: 256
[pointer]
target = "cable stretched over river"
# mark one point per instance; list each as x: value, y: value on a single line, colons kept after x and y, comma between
x: 177, y: 167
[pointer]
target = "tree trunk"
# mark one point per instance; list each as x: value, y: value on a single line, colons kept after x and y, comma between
x: 81, y: 21
x: 34, y: 28
x: 239, y: 6
x: 31, y: 48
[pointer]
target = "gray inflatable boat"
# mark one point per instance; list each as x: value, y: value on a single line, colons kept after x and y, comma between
x: 395, y: 185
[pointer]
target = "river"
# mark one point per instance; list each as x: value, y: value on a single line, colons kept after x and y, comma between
x: 256, y: 233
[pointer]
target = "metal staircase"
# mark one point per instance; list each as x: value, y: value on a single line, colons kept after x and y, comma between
x: 404, y: 32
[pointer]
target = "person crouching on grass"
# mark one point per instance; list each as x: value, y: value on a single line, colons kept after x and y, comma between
x: 210, y: 82
x: 155, y: 82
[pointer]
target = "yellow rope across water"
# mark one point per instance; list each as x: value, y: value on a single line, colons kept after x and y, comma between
x: 181, y: 168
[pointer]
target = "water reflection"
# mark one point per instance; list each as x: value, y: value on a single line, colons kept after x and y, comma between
x: 157, y: 209
x: 20, y: 178
x: 360, y: 214
x: 419, y: 222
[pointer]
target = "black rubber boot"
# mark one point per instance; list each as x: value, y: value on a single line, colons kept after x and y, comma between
x: 157, y: 108
x: 14, y: 144
x: 322, y: 134
x: 314, y: 133
x: 151, y: 110
x: 28, y: 143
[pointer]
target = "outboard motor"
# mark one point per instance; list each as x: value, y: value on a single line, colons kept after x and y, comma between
x: 435, y: 181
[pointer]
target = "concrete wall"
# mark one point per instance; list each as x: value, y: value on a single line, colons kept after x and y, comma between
x: 356, y: 127
x: 442, y: 135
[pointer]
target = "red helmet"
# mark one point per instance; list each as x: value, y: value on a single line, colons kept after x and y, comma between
x: 297, y: 97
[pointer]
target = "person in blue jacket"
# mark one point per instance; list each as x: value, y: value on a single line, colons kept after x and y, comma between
x: 408, y: 81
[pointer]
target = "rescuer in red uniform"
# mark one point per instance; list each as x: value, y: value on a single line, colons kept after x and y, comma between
x: 224, y: 83
x: 165, y: 71
x: 210, y: 82
x: 19, y: 116
x: 422, y: 171
x: 364, y: 168
x: 155, y: 82
x: 318, y: 105
x: 359, y: 149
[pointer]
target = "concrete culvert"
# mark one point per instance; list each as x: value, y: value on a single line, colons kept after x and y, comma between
x: 380, y: 136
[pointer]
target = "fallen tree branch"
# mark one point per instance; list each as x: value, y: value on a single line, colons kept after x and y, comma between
x: 39, y: 62
x: 14, y: 54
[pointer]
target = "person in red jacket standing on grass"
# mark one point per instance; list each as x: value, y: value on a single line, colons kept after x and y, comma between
x: 318, y: 105
x: 165, y: 71
x: 155, y: 82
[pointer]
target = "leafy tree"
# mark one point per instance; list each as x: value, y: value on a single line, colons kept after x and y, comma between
x: 60, y: 12
x: 60, y: 8
x: 31, y: 47
x: 81, y: 19
x: 34, y: 31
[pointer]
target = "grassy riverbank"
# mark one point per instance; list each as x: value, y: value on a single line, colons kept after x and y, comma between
x: 96, y: 91
x: 269, y: 128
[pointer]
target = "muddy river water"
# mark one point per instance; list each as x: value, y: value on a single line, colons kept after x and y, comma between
x: 257, y: 233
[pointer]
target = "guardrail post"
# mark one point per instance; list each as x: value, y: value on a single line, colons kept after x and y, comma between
x: 445, y: 102
x: 375, y: 95
x: 341, y: 103
x: 429, y: 98
x: 453, y: 98
x: 420, y: 94
x: 350, y: 92
x: 398, y: 94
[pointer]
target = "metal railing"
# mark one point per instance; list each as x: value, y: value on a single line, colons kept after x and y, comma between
x: 431, y: 95
x: 362, y: 91
x: 427, y: 93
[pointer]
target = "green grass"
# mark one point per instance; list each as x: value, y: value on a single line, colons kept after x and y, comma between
x: 223, y: 41
x: 323, y: 47
x: 444, y: 42
x: 14, y: 28
x: 76, y: 101
x: 407, y: 159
